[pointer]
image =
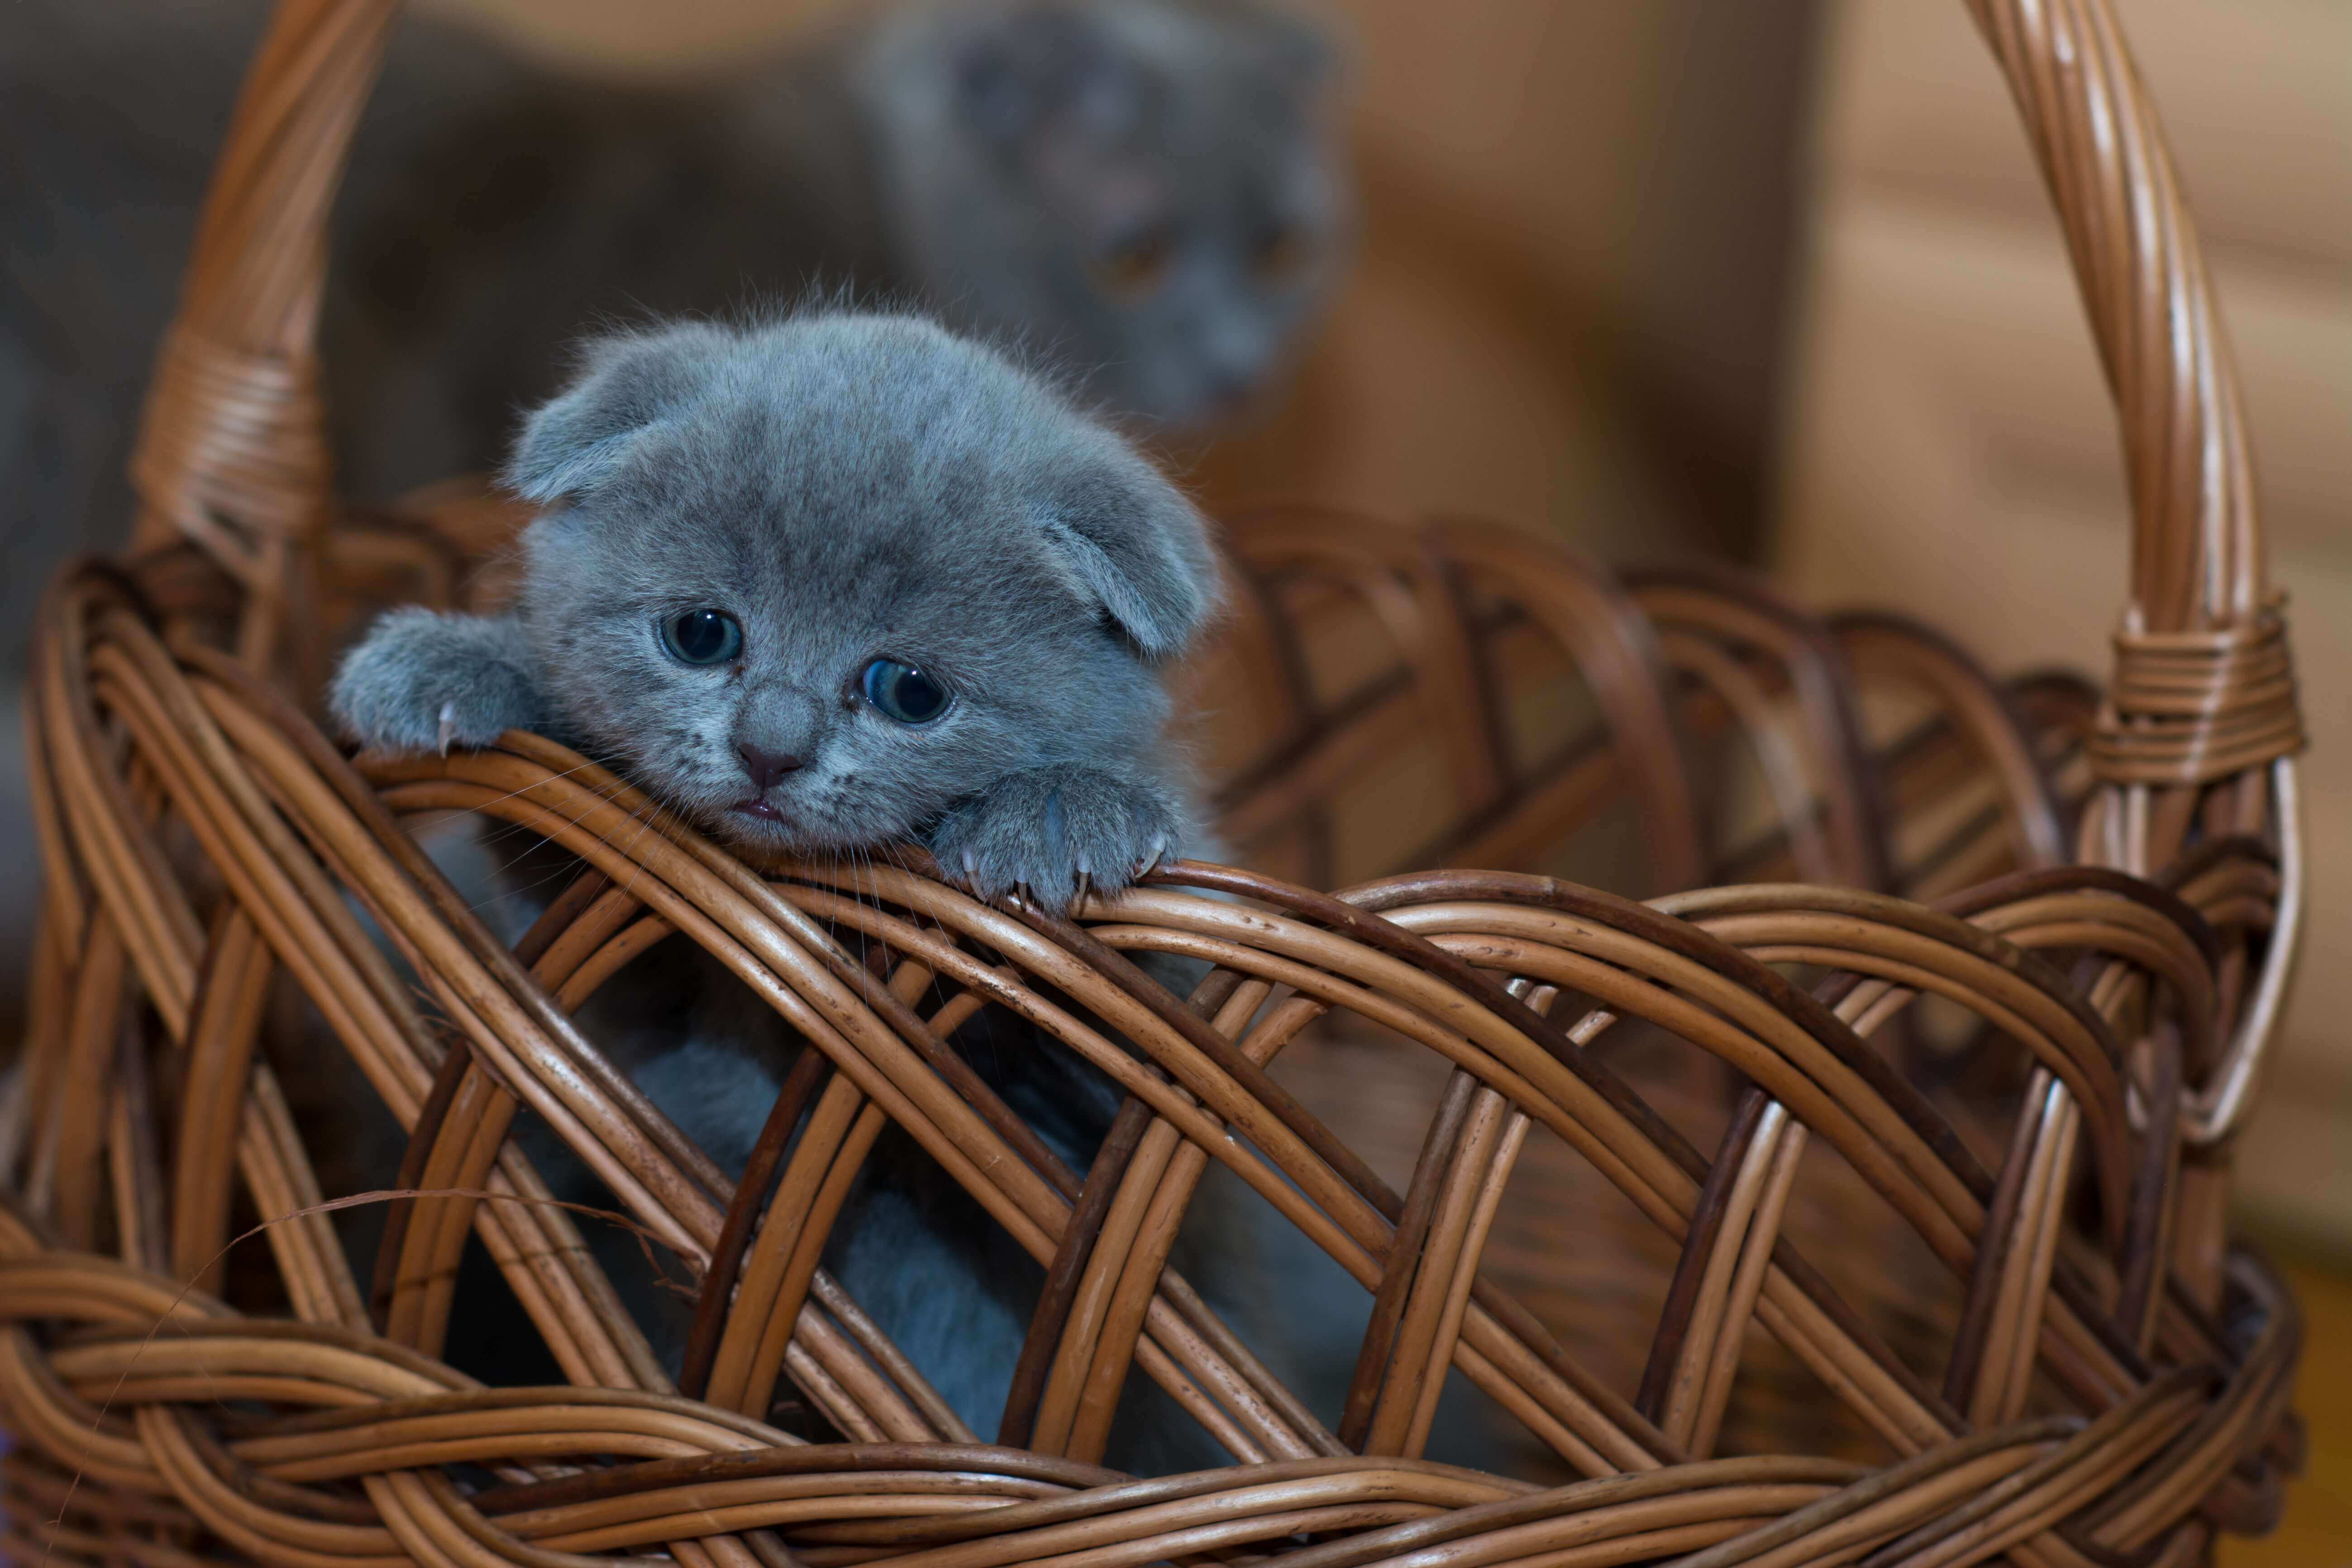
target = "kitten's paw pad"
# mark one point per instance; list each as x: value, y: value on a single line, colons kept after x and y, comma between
x: 422, y: 682
x: 1058, y: 833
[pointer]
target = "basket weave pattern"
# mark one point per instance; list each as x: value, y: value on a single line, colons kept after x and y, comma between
x: 2106, y: 1378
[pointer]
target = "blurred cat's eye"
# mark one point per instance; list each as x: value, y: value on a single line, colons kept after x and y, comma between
x: 702, y: 636
x: 903, y: 692
x: 1136, y: 264
x: 1279, y: 253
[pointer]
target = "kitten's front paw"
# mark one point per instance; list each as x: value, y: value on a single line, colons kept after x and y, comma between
x: 1052, y: 828
x: 422, y: 681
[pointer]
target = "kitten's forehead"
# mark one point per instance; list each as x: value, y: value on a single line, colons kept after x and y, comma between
x: 833, y: 467
x: 852, y: 470
x: 882, y: 447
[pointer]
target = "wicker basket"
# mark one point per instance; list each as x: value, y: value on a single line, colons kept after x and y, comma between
x: 1953, y: 1279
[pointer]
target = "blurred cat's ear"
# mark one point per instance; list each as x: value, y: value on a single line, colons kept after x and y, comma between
x: 624, y: 386
x: 1129, y: 541
x: 1040, y: 69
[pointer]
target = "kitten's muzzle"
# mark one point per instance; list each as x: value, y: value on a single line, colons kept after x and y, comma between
x: 767, y: 769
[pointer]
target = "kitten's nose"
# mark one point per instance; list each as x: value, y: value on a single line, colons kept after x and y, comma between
x: 767, y: 768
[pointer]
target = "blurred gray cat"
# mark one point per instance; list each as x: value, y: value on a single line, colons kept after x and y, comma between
x: 1145, y: 193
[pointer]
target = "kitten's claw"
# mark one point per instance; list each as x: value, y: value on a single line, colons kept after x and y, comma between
x: 448, y: 725
x: 1059, y: 835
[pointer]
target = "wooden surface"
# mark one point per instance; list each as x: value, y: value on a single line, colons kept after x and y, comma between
x: 2317, y: 1529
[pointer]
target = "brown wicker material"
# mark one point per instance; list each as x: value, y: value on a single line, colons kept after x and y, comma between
x: 1893, y: 1168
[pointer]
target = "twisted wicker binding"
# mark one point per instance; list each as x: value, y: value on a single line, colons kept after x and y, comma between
x: 1991, y: 1253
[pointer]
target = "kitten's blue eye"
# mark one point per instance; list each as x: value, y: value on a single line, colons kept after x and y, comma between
x: 903, y: 692
x: 702, y: 636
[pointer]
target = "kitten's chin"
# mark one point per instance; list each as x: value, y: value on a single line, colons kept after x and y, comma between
x: 756, y: 825
x: 762, y: 830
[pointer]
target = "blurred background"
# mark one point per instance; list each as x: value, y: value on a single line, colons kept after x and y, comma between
x: 1775, y: 281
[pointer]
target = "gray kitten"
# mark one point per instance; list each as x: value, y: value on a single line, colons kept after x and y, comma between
x: 826, y: 584
x: 830, y: 584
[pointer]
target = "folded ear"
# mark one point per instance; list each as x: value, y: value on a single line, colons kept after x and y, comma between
x: 624, y: 386
x: 1130, y: 543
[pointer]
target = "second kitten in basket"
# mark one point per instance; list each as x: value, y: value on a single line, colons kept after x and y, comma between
x: 824, y: 586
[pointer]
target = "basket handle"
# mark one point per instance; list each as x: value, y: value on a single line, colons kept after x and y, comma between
x: 233, y: 450
x: 2203, y: 690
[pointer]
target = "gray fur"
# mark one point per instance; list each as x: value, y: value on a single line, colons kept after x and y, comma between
x: 1050, y: 827
x: 482, y: 667
x: 848, y: 487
